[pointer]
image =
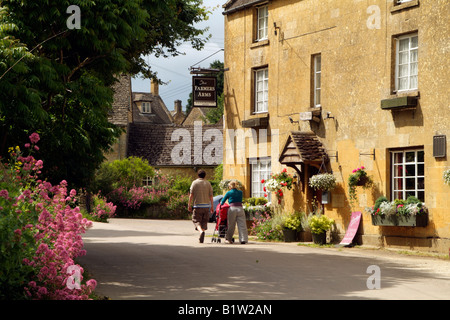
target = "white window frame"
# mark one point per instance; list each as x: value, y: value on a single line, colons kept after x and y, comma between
x: 261, y: 90
x: 146, y: 107
x: 410, y: 53
x: 262, y: 23
x: 147, y: 181
x: 405, y: 183
x: 317, y: 79
x: 259, y: 169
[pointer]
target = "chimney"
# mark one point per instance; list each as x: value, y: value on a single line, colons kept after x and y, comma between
x: 154, y: 87
x: 178, y: 106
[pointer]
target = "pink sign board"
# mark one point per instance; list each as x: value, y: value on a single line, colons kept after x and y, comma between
x: 352, y: 228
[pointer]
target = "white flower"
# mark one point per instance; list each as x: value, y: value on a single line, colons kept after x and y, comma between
x: 272, y: 185
x: 446, y: 176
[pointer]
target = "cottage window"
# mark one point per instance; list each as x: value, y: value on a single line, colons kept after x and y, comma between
x: 260, y: 169
x: 147, y: 181
x: 146, y: 108
x: 261, y: 90
x: 317, y: 61
x: 262, y: 23
x: 408, y: 174
x: 407, y: 62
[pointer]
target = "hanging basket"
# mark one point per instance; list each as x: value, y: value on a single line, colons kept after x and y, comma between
x: 362, y: 181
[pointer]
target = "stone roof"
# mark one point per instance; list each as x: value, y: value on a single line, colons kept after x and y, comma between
x: 159, y: 112
x: 236, y: 5
x: 158, y: 144
x: 303, y: 147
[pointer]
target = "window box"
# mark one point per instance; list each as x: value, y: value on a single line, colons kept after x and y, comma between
x: 260, y: 122
x: 400, y: 221
x: 399, y: 103
x: 402, y: 5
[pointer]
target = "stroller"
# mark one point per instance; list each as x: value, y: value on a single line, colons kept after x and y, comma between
x: 221, y: 222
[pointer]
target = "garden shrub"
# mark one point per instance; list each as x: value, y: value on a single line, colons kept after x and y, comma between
x: 40, y: 234
x: 126, y: 173
x: 266, y: 227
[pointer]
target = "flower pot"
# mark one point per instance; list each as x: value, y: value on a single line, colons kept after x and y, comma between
x: 289, y: 235
x: 304, y: 236
x: 319, y: 238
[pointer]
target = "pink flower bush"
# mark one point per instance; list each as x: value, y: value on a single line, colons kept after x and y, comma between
x: 40, y: 234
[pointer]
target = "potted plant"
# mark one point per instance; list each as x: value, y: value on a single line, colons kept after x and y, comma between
x: 358, y: 177
x: 404, y: 213
x: 292, y: 224
x: 319, y: 225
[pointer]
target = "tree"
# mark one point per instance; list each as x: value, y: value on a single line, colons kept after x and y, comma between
x: 57, y: 81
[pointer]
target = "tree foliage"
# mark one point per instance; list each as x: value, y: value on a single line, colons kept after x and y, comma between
x: 57, y: 81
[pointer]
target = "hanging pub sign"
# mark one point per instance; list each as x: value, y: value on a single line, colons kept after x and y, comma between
x: 204, y: 92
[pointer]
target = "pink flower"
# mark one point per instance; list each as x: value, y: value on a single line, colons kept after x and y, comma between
x: 92, y: 283
x: 34, y: 138
x: 4, y: 194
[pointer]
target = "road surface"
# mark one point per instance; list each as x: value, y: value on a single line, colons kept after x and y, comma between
x: 163, y: 260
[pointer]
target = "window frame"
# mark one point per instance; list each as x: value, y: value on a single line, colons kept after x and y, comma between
x: 418, y: 177
x: 146, y: 107
x: 409, y: 76
x: 317, y: 89
x: 262, y: 173
x: 264, y: 91
x: 262, y: 17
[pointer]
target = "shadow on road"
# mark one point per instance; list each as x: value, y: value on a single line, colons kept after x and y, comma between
x: 147, y: 265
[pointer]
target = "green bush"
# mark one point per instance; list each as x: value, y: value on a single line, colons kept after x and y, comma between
x: 125, y: 173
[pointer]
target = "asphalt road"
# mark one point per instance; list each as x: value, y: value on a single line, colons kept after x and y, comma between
x: 163, y: 260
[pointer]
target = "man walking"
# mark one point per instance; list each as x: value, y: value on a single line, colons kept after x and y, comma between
x: 201, y: 203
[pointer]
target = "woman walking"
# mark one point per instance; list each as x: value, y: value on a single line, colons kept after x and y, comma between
x: 236, y: 214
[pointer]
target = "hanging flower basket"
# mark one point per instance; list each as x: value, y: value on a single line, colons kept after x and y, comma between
x: 358, y: 177
x: 362, y: 181
x: 276, y: 183
x: 323, y: 181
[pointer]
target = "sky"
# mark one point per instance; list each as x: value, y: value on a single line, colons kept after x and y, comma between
x: 175, y: 70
